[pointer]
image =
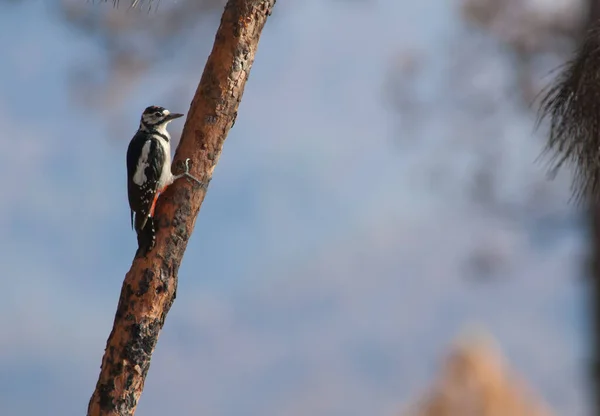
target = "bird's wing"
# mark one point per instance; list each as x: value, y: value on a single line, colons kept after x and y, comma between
x: 143, y: 181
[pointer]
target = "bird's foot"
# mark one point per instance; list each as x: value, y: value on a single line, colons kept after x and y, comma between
x: 187, y: 174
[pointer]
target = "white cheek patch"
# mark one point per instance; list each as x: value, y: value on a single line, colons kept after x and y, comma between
x: 139, y: 177
x: 162, y: 129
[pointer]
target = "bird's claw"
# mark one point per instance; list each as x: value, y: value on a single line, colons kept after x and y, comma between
x: 187, y: 173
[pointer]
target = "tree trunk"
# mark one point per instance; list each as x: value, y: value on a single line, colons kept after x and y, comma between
x: 150, y: 285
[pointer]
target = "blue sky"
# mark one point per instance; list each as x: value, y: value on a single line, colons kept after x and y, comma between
x: 326, y: 274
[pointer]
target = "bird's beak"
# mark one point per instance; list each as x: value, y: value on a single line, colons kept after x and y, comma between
x: 173, y: 116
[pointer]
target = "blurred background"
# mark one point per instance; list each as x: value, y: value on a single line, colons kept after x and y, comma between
x: 381, y: 192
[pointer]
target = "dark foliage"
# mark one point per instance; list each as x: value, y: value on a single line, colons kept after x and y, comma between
x: 572, y: 105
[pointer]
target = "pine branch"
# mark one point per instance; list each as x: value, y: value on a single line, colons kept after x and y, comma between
x: 150, y: 286
x: 135, y: 3
x: 572, y: 105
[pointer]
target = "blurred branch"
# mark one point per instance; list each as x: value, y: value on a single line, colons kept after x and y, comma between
x: 528, y: 30
x: 149, y: 287
x: 134, y: 3
x: 132, y: 41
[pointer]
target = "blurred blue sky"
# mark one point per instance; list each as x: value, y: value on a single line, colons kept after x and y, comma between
x: 325, y: 276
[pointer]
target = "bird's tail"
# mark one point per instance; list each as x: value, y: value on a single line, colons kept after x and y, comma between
x: 146, y: 234
x: 140, y: 222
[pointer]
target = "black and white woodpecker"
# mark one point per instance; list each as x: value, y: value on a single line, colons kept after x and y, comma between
x: 149, y: 169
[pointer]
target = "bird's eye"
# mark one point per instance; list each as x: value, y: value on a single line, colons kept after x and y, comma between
x: 158, y: 114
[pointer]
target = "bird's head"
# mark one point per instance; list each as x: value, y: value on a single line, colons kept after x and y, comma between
x: 157, y: 118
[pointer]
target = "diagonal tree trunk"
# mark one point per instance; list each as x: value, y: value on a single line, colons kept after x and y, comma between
x: 150, y: 286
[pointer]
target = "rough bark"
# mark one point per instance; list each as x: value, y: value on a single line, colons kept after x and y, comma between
x: 150, y: 286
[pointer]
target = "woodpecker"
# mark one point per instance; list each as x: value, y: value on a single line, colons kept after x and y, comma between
x: 149, y: 169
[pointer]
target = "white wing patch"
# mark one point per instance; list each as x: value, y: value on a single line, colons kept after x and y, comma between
x: 139, y: 177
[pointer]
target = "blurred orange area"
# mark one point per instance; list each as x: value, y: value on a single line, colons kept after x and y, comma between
x: 476, y: 380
